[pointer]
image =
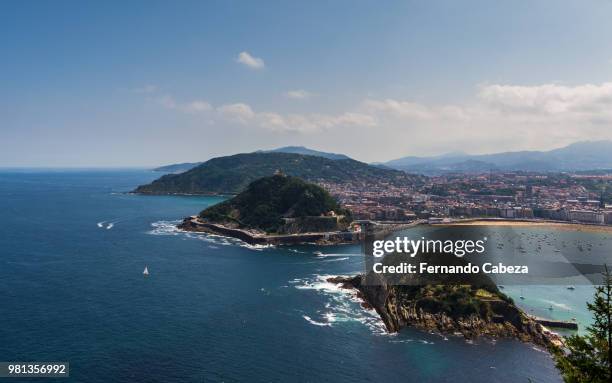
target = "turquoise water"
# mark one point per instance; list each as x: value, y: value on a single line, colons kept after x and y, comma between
x: 73, y: 248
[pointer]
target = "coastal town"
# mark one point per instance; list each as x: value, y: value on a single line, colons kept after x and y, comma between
x: 565, y: 197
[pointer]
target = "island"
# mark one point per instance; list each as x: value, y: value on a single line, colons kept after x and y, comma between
x: 279, y: 209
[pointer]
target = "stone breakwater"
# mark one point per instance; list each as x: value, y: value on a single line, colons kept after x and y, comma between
x: 254, y: 237
x: 397, y: 310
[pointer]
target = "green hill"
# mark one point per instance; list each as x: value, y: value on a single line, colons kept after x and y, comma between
x: 306, y: 151
x: 282, y: 204
x: 231, y: 174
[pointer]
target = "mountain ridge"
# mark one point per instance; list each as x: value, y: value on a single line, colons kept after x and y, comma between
x: 185, y: 166
x: 307, y: 151
x: 583, y: 155
x: 232, y: 174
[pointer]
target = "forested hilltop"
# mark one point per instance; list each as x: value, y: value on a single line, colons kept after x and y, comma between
x: 280, y: 204
x: 231, y: 174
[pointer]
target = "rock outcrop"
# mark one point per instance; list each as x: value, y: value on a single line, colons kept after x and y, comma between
x: 494, y: 315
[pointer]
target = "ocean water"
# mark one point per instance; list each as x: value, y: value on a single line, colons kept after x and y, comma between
x: 73, y: 246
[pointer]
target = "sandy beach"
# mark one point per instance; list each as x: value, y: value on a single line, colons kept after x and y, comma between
x: 570, y: 226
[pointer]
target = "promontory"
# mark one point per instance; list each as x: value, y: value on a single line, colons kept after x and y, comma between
x: 279, y: 209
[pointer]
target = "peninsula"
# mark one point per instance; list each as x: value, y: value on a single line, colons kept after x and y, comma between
x: 470, y: 311
x: 279, y: 209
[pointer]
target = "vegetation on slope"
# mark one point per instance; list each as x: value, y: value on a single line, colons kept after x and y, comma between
x: 231, y: 174
x: 268, y: 200
x: 588, y: 358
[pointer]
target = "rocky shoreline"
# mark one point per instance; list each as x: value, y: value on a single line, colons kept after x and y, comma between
x: 397, y: 310
x: 254, y: 237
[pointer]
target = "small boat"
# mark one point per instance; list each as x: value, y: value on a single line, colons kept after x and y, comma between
x: 550, y: 308
x: 522, y: 297
x: 571, y: 288
x: 146, y: 271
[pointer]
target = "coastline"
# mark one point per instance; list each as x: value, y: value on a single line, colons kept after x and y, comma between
x: 255, y: 237
x: 562, y: 225
x: 252, y: 237
x: 511, y: 321
x: 206, y: 194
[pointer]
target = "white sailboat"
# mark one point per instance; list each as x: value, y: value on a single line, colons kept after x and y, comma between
x: 146, y: 271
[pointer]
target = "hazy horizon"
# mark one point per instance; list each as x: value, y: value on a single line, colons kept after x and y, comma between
x: 138, y: 84
x: 151, y: 166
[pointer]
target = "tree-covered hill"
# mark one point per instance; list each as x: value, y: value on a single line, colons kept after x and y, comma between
x: 231, y: 174
x: 266, y: 201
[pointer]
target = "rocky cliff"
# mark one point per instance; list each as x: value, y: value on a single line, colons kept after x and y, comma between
x: 460, y: 310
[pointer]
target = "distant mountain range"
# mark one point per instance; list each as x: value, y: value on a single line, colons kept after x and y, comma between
x: 587, y: 155
x: 183, y: 167
x: 231, y: 174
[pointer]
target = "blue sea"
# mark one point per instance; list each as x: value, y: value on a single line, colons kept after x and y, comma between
x: 73, y: 246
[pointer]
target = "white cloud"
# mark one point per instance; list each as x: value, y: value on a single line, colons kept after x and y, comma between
x: 250, y: 61
x: 501, y: 118
x: 236, y: 112
x: 298, y: 94
x: 549, y: 99
x: 244, y: 114
x: 197, y: 106
x: 498, y: 118
x: 413, y: 111
x: 403, y: 109
x: 303, y: 123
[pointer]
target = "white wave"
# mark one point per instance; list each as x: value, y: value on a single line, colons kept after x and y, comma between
x: 108, y: 224
x: 296, y: 251
x: 336, y: 259
x: 342, y: 305
x: 322, y: 255
x: 330, y: 317
x: 314, y: 322
x: 319, y: 283
x: 255, y: 247
x: 165, y: 228
x: 171, y: 228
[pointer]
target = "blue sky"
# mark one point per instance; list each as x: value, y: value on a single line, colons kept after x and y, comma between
x: 147, y: 83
